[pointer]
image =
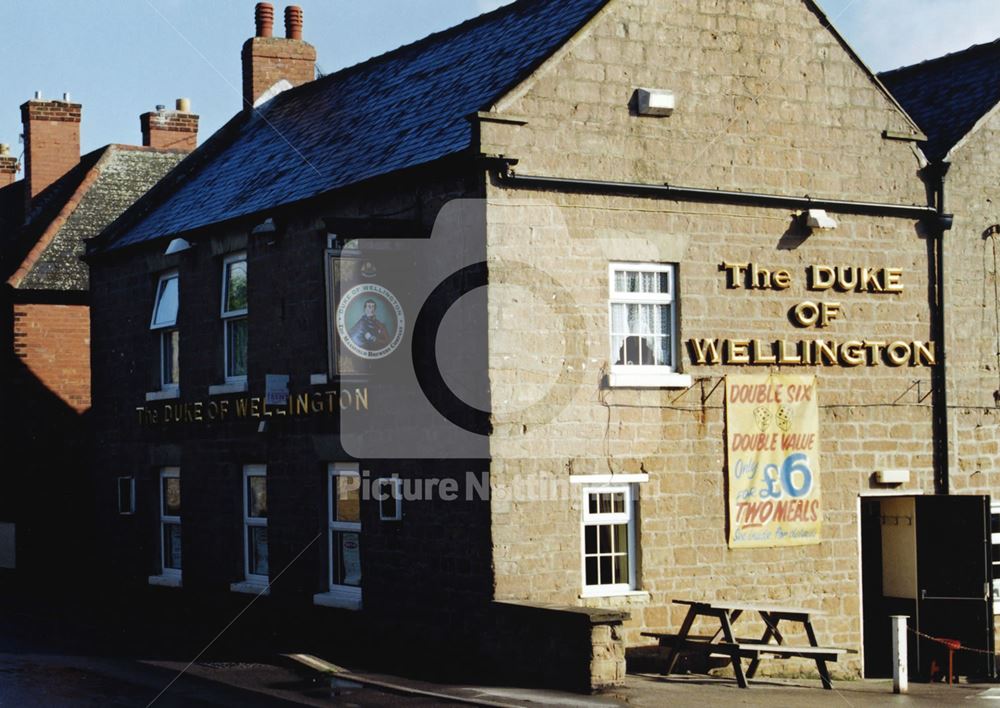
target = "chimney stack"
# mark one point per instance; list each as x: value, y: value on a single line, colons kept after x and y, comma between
x: 51, y: 142
x: 170, y: 130
x: 267, y: 60
x: 8, y: 166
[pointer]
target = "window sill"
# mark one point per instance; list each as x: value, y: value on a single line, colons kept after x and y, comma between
x: 223, y: 389
x: 640, y: 379
x: 345, y: 601
x: 251, y: 587
x: 163, y: 395
x: 166, y: 581
x: 632, y: 594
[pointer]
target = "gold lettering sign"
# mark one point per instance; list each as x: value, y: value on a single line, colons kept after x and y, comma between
x: 253, y: 407
x: 815, y: 315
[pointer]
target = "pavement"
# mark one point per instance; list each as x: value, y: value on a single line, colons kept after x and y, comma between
x: 57, y: 654
x: 695, y: 690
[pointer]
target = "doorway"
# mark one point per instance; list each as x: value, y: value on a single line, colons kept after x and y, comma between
x: 927, y: 557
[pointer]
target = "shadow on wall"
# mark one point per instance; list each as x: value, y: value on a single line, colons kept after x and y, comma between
x: 45, y: 484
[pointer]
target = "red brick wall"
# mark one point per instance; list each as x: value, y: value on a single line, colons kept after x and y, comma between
x: 52, y: 139
x: 169, y: 130
x: 8, y: 170
x: 267, y: 60
x: 53, y: 341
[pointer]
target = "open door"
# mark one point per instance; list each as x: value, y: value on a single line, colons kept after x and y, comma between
x: 954, y: 582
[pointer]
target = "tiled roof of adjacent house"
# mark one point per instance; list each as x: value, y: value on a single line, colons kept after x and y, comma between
x: 399, y: 110
x: 44, y: 253
x: 948, y: 95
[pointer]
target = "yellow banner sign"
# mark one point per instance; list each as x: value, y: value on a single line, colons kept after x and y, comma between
x: 772, y: 453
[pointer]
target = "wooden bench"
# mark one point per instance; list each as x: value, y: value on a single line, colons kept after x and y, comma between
x: 725, y: 645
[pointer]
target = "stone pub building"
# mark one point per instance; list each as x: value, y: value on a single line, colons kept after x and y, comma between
x: 468, y: 347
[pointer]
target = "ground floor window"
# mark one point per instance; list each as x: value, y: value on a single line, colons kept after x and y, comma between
x: 343, y: 537
x: 608, y: 540
x: 170, y: 521
x: 255, y: 556
x: 126, y: 495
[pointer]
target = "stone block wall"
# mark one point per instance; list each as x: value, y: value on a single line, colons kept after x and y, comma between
x: 579, y: 649
x: 972, y: 255
x: 767, y: 101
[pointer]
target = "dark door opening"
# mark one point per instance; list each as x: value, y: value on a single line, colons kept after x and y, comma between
x: 886, y: 593
x: 929, y: 558
x: 953, y: 571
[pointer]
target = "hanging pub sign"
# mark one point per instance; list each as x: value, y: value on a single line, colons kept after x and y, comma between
x: 772, y: 457
x: 370, y: 321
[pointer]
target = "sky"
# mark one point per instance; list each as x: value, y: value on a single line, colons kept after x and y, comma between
x: 121, y: 58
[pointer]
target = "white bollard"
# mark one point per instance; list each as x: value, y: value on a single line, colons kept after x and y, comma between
x: 900, y: 680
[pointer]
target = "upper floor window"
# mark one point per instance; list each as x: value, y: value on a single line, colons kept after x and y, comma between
x: 234, y: 317
x: 164, y: 321
x: 642, y: 303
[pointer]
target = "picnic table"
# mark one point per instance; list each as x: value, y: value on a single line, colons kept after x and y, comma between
x: 724, y: 643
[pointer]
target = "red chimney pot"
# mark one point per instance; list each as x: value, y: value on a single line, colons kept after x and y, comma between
x: 264, y: 18
x: 293, y: 22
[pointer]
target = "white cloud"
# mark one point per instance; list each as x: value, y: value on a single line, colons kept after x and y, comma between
x: 892, y: 33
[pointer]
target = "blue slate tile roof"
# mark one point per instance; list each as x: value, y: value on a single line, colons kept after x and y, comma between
x: 948, y: 95
x: 399, y: 110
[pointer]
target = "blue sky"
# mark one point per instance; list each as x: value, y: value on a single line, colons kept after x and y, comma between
x: 122, y: 57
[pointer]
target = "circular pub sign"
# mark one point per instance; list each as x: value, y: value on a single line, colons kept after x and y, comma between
x: 370, y: 321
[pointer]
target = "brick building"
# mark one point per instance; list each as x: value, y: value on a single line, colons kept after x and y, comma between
x: 660, y: 198
x: 63, y: 199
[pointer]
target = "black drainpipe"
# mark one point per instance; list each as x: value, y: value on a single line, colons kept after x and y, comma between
x: 507, y: 177
x: 942, y: 481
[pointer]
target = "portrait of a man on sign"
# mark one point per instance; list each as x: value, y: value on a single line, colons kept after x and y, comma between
x: 370, y: 321
x: 369, y: 332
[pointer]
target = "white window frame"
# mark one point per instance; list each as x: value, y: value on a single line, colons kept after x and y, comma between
x: 253, y: 579
x: 995, y: 541
x: 605, y: 519
x: 165, y: 329
x: 645, y: 376
x: 169, y: 577
x: 229, y: 316
x: 343, y: 596
x: 130, y: 509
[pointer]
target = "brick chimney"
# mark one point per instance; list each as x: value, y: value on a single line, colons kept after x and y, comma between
x: 267, y: 59
x: 51, y: 141
x: 8, y: 166
x: 170, y: 130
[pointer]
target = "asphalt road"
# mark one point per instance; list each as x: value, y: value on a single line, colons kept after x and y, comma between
x: 50, y: 662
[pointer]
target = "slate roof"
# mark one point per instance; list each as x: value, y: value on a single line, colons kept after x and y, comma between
x: 399, y: 110
x: 948, y: 95
x: 44, y: 253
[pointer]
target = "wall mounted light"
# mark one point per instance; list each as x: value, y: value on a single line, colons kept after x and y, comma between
x: 654, y: 102
x: 267, y: 226
x: 897, y: 476
x: 819, y: 219
x: 176, y: 246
